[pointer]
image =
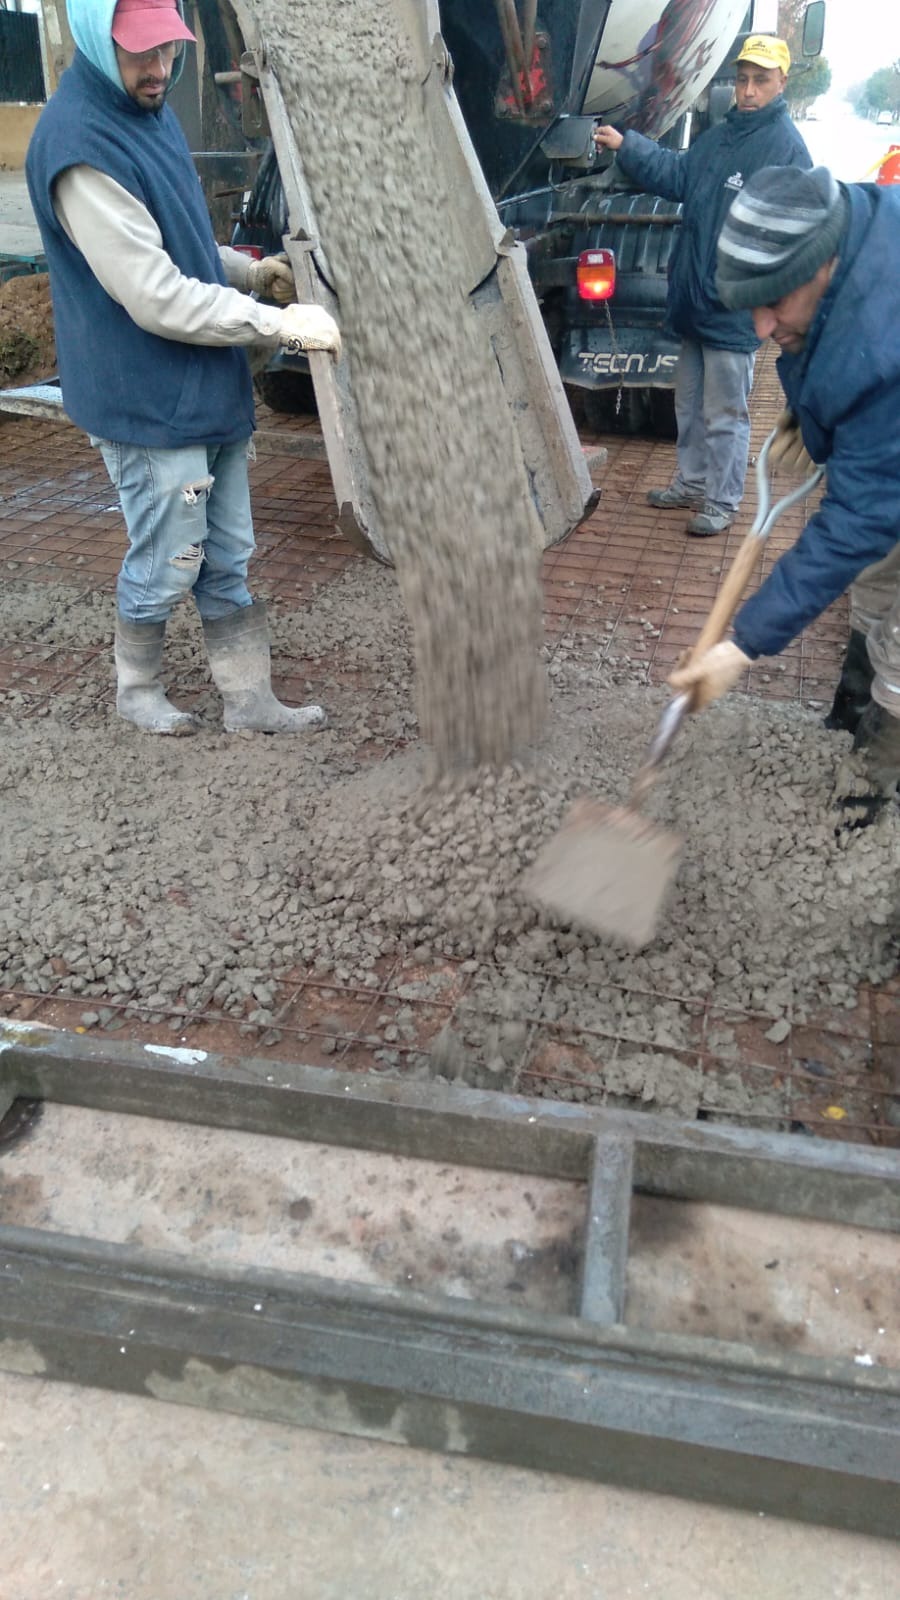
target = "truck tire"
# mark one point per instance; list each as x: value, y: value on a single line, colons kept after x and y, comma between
x: 291, y: 393
x: 632, y: 415
x: 650, y: 412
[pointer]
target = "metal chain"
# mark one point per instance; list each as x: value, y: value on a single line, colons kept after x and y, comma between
x: 616, y: 352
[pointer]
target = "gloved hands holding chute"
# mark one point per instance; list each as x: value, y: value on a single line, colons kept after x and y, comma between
x: 272, y: 279
x: 309, y: 328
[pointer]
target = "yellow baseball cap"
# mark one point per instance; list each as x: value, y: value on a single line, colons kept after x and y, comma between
x: 765, y: 51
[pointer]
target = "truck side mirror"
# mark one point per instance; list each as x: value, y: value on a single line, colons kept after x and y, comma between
x: 570, y: 140
x: 813, y: 28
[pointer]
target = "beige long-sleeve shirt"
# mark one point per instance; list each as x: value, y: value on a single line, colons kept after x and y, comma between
x: 124, y: 249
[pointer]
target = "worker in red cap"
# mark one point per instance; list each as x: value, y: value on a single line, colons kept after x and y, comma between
x: 152, y: 321
x: 143, y: 25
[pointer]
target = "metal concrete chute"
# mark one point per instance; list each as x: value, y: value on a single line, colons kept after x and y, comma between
x: 497, y: 288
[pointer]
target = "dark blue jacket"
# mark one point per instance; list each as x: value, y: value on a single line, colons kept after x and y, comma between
x: 705, y: 179
x: 118, y: 381
x: 844, y: 388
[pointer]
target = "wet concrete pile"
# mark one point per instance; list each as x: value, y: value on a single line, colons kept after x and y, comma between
x: 447, y: 472
x: 780, y: 898
x: 189, y: 876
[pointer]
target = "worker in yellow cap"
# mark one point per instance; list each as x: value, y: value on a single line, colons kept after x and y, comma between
x: 771, y: 54
x: 715, y: 361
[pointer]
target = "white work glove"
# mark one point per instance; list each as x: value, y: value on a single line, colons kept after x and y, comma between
x: 787, y: 452
x: 272, y: 279
x: 309, y: 328
x: 712, y: 674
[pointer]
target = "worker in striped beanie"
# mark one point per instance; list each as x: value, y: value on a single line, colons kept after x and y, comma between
x: 781, y: 228
x: 812, y: 260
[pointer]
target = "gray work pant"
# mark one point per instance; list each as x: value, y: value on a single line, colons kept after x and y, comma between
x: 712, y: 388
x: 875, y: 611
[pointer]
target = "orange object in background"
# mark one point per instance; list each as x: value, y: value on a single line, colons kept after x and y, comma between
x: 889, y: 171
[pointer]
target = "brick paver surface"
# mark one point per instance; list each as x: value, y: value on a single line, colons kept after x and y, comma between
x: 626, y: 567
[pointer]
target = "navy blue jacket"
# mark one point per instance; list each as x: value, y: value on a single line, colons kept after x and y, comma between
x: 844, y: 389
x: 119, y: 381
x: 705, y: 179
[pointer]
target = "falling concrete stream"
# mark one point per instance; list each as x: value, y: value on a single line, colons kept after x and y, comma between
x: 447, y: 472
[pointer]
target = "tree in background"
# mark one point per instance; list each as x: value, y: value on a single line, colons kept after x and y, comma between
x: 808, y: 79
x: 807, y: 83
x: 881, y: 92
x: 790, y: 24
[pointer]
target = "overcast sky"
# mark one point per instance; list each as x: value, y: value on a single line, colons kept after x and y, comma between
x: 860, y: 37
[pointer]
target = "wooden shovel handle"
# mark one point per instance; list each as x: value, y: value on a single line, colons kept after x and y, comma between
x: 729, y: 596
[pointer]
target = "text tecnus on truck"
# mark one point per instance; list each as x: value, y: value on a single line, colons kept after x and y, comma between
x: 533, y: 77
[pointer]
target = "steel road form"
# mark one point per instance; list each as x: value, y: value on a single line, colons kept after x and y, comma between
x: 813, y: 1439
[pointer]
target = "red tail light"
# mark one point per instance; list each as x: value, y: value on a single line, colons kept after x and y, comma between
x: 253, y: 250
x: 596, y: 274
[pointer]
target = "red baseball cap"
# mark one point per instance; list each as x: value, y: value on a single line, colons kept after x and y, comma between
x: 140, y: 25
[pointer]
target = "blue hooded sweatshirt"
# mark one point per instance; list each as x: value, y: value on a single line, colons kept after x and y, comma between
x: 706, y: 179
x: 844, y: 389
x: 118, y: 381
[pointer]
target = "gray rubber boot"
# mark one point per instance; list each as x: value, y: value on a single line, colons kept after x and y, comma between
x: 240, y: 662
x: 140, y: 696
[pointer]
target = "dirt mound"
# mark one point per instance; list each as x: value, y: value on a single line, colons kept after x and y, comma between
x: 27, y: 342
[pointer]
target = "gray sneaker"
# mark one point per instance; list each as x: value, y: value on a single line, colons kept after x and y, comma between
x: 710, y: 519
x: 675, y: 497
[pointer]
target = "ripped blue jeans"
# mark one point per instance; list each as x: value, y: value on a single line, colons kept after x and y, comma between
x: 190, y: 530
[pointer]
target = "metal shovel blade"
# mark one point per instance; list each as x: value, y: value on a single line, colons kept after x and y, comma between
x: 607, y: 868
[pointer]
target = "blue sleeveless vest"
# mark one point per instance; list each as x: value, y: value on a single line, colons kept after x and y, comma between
x: 118, y: 381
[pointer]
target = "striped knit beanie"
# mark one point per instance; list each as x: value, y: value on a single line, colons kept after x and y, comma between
x: 782, y: 227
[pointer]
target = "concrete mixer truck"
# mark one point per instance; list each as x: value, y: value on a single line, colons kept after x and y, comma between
x: 562, y: 267
x: 531, y: 78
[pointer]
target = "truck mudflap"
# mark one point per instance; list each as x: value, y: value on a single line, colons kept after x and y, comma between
x: 613, y: 358
x: 499, y: 291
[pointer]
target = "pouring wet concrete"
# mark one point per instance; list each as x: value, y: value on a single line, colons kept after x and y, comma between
x: 115, y: 1495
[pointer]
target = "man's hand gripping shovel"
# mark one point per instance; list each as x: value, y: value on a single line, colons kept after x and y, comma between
x: 609, y: 868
